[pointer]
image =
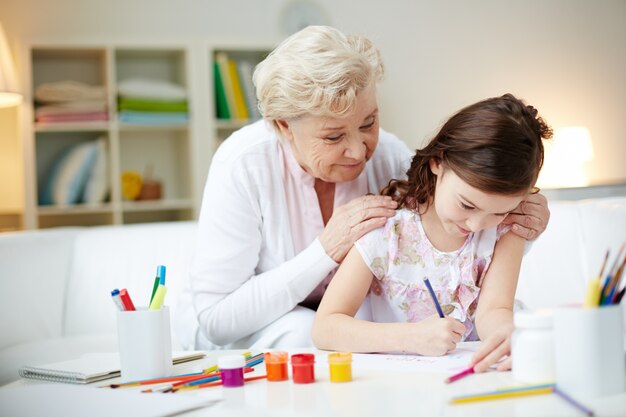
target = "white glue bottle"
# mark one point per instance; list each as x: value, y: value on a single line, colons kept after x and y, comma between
x: 532, y: 347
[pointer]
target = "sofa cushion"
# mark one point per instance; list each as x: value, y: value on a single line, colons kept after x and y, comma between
x: 109, y: 257
x: 34, y: 266
x: 570, y: 252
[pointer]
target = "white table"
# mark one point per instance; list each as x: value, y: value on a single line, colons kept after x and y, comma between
x: 375, y: 393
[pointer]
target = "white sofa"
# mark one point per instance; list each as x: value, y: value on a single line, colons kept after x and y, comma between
x: 55, y: 284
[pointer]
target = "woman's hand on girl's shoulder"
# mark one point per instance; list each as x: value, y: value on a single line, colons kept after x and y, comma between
x: 530, y: 218
x: 353, y: 220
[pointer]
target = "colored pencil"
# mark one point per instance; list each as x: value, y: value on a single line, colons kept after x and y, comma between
x: 434, y: 297
x: 509, y: 393
x: 185, y: 377
x: 215, y: 383
x: 572, y: 401
x: 460, y: 375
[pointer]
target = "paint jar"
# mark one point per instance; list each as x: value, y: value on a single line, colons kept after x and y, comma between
x: 302, y: 368
x: 276, y: 366
x: 532, y: 347
x: 340, y: 364
x: 231, y: 369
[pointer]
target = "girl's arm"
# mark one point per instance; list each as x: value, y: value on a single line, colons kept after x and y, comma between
x: 494, y: 313
x: 335, y: 327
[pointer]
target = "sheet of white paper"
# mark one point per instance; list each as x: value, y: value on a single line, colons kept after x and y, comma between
x: 457, y: 360
x: 52, y: 400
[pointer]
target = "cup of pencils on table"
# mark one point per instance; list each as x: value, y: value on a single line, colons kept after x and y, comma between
x: 589, y: 341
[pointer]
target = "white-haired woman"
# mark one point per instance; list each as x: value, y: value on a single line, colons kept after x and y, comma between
x: 286, y: 197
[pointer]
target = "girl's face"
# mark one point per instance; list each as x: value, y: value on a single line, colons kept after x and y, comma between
x: 463, y: 209
x: 335, y: 149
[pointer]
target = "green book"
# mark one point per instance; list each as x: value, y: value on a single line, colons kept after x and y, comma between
x: 220, y: 95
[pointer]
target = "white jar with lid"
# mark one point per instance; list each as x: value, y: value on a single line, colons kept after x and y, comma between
x: 532, y: 347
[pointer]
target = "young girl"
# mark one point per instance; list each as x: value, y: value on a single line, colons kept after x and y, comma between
x: 448, y: 228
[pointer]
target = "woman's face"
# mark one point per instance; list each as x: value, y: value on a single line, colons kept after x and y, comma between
x: 335, y: 149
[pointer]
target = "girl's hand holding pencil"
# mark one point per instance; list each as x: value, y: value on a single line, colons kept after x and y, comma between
x: 434, y: 336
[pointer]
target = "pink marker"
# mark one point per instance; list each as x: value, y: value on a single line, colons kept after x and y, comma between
x: 460, y: 375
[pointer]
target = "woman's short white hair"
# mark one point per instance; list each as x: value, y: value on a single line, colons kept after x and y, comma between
x: 317, y: 71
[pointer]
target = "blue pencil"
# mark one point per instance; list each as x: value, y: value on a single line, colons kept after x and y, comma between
x: 572, y: 401
x: 434, y: 297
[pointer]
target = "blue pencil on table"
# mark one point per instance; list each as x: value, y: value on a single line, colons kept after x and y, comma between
x: 572, y: 401
x: 434, y: 297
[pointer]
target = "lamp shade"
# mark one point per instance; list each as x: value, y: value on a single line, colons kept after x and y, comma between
x: 9, y: 92
x: 565, y: 158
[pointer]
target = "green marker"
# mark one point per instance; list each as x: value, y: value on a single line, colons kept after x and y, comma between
x: 160, y: 278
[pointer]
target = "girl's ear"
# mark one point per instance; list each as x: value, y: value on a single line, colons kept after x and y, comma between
x: 285, y: 129
x: 436, y: 167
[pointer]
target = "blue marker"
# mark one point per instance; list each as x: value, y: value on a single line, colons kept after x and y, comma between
x: 161, y: 274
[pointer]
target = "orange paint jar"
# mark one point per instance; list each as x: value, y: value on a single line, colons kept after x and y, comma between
x: 276, y: 366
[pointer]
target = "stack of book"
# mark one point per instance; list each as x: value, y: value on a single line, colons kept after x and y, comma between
x: 235, y: 96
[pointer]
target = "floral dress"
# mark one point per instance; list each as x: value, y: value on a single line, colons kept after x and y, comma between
x: 400, y: 256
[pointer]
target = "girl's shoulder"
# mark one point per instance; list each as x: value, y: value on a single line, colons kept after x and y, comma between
x: 403, y: 224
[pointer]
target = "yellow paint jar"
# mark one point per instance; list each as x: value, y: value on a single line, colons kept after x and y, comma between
x: 340, y: 364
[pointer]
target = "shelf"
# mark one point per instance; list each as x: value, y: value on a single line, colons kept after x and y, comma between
x: 72, y: 127
x: 128, y: 127
x: 58, y: 210
x: 176, y: 154
x: 155, y: 205
x: 235, y: 124
x: 162, y: 151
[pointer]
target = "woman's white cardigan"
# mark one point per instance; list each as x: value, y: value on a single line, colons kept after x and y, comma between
x: 245, y: 273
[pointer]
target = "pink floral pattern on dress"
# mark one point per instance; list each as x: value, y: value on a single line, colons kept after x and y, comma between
x: 400, y: 256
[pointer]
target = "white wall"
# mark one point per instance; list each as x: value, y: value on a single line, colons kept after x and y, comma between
x: 566, y: 57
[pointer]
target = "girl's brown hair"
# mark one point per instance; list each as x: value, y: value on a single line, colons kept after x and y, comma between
x: 494, y: 145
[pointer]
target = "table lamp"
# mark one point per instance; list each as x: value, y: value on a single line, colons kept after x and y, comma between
x: 9, y: 95
x: 565, y: 158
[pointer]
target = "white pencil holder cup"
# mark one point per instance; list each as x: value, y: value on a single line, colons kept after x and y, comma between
x: 145, y: 343
x: 589, y: 350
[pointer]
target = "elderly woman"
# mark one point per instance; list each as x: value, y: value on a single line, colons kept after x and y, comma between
x: 286, y: 197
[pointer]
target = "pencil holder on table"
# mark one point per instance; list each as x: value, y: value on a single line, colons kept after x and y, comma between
x: 145, y: 343
x: 589, y: 350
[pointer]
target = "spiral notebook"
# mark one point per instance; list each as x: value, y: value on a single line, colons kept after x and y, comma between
x: 91, y: 367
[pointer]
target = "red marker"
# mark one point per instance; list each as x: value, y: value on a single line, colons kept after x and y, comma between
x: 128, y: 303
x: 460, y: 375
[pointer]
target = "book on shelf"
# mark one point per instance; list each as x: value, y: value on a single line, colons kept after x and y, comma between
x: 222, y: 63
x: 240, y: 100
x: 221, y: 104
x: 246, y: 68
x: 91, y: 367
x: 235, y: 95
